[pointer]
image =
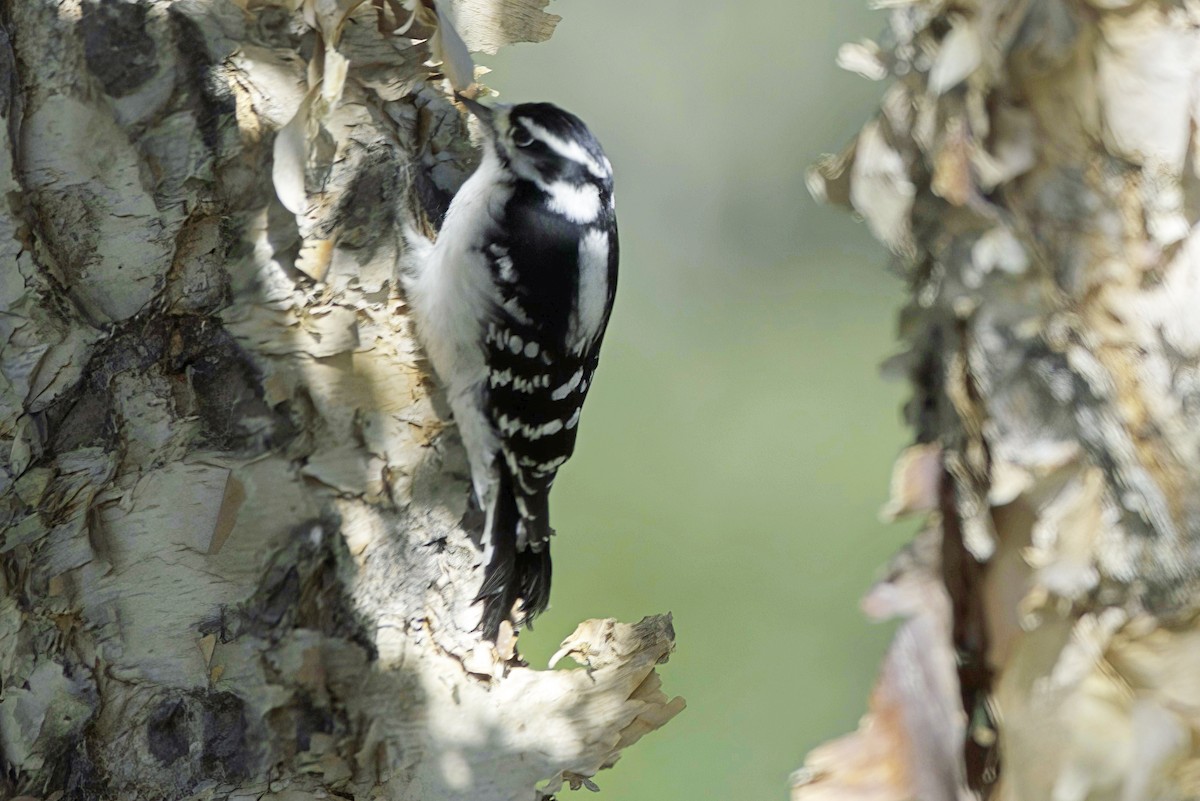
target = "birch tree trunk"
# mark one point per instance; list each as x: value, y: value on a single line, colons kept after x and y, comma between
x: 234, y: 562
x: 1034, y: 171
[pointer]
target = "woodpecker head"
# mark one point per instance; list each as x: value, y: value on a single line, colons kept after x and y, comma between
x: 541, y: 143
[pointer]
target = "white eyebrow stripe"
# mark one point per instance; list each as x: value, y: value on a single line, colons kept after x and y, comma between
x: 568, y: 150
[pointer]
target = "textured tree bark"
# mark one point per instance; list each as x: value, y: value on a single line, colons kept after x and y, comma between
x: 1034, y: 171
x: 233, y: 557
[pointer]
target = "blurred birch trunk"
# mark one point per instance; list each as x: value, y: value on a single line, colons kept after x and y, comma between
x: 232, y: 563
x: 1034, y: 171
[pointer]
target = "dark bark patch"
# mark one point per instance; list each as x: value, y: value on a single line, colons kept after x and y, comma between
x: 1047, y: 38
x: 302, y: 589
x: 200, y: 736
x: 67, y: 224
x: 85, y: 422
x: 278, y: 598
x: 118, y: 49
x: 213, y: 378
x: 434, y: 200
x: 86, y: 416
x: 212, y: 101
x: 198, y: 282
x: 84, y: 780
x: 227, y: 390
x: 310, y: 719
x: 368, y: 209
x: 224, y: 738
x: 8, y: 72
x: 167, y: 731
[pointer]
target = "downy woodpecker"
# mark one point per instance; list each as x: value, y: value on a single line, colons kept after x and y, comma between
x: 511, y: 304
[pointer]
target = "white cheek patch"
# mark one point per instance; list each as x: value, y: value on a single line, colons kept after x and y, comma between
x: 579, y: 204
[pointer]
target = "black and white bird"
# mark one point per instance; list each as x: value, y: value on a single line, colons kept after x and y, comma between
x: 511, y: 304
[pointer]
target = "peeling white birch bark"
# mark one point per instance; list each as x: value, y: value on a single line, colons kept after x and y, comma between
x: 232, y: 558
x: 1034, y: 169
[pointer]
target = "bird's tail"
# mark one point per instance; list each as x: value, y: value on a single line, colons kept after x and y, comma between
x: 514, y: 573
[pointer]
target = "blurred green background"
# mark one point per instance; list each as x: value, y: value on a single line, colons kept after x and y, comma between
x: 738, y: 442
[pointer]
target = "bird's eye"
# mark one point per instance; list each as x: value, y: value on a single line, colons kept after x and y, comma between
x: 522, y: 137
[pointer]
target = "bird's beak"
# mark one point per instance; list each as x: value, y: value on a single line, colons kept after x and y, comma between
x: 482, y: 112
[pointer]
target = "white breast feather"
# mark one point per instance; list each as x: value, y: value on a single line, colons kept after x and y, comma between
x: 450, y: 292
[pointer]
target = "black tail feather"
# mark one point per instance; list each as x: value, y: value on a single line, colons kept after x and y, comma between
x: 513, y: 574
x: 499, y: 590
x: 533, y: 580
x: 533, y: 564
